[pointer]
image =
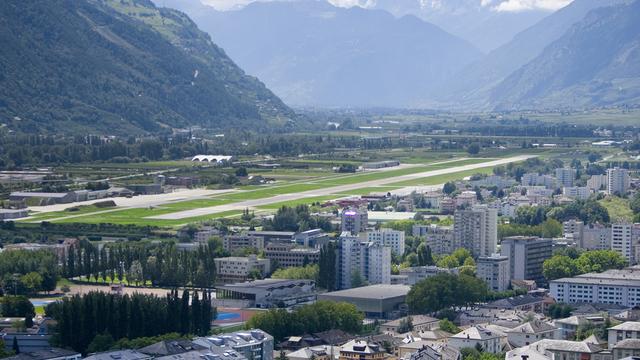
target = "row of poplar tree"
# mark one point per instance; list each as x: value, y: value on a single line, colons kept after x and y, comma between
x: 156, y: 264
x: 81, y: 318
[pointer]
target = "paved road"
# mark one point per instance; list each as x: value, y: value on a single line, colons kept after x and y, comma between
x: 330, y: 190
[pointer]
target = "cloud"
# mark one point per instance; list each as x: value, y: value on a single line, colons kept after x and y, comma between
x: 496, y: 5
x: 528, y: 5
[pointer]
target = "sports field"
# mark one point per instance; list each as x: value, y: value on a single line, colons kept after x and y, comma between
x: 193, y: 206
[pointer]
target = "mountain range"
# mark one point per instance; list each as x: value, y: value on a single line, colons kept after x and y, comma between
x: 120, y: 67
x: 311, y: 53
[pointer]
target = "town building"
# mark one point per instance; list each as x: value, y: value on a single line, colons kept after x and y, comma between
x: 434, y: 351
x: 234, y: 269
x: 550, y: 349
x: 530, y: 332
x: 375, y: 301
x: 494, y: 270
x: 598, y: 182
x: 362, y: 350
x: 565, y: 177
x: 314, y: 238
x: 368, y: 260
x: 233, y: 243
x: 46, y: 354
x: 318, y: 352
x: 10, y: 214
x: 418, y: 323
x: 354, y: 220
x: 393, y: 239
x: 43, y: 198
x: 625, y: 239
x: 535, y: 179
x: 125, y: 354
x: 476, y: 230
x: 290, y: 255
x: 205, y: 234
x: 618, y: 181
x: 416, y: 274
x: 274, y: 236
x: 466, y: 198
x: 477, y: 336
x: 620, y: 287
x: 526, y: 256
x: 265, y: 294
x: 576, y: 192
x: 621, y: 332
x: 438, y: 238
x: 251, y: 344
x: 448, y: 205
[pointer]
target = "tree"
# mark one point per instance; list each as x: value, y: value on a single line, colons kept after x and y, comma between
x: 241, y: 172
x: 15, y: 347
x: 448, y: 326
x: 473, y: 148
x: 599, y: 261
x: 135, y: 273
x: 449, y: 188
x: 424, y: 255
x: 559, y: 266
x: 357, y: 280
x: 32, y: 282
x: 444, y: 291
x: 101, y: 342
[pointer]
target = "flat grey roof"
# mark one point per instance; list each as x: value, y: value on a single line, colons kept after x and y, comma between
x: 379, y: 291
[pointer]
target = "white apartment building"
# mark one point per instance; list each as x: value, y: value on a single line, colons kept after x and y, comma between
x: 476, y: 230
x: 354, y: 220
x: 494, y: 270
x: 535, y: 179
x: 576, y: 192
x: 598, y: 182
x: 618, y: 181
x: 438, y: 238
x: 370, y: 260
x: 236, y: 269
x: 466, y: 198
x: 625, y: 240
x: 620, y: 287
x: 388, y: 237
x: 587, y: 237
x: 565, y: 177
x: 526, y: 256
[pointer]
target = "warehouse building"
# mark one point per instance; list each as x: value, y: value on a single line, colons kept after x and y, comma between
x: 376, y: 301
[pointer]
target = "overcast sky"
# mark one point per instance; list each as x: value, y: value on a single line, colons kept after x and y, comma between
x: 496, y: 5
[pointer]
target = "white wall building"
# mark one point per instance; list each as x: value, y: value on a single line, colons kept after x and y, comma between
x: 576, y: 192
x: 490, y: 341
x: 620, y: 287
x: 476, y: 230
x: 565, y: 177
x: 370, y: 260
x: 598, y: 182
x: 618, y: 181
x: 494, y: 270
x: 438, y: 238
x: 388, y: 237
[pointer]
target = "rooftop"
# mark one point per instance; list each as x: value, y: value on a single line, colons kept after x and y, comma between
x: 119, y: 355
x: 628, y: 344
x: 476, y: 333
x: 627, y: 326
x: 379, y: 291
x: 533, y: 327
x: 361, y: 347
x: 44, y: 354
